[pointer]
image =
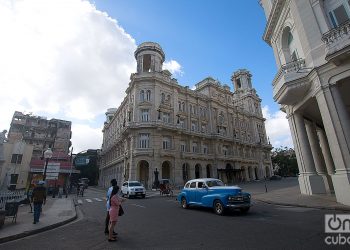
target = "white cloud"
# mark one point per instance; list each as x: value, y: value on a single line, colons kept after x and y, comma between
x: 174, y: 67
x: 62, y: 58
x: 88, y: 138
x: 277, y: 128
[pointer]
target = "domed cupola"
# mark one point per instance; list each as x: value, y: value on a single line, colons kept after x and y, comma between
x: 149, y: 57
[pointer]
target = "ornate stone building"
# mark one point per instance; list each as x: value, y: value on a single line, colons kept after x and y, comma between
x: 183, y: 133
x: 310, y: 40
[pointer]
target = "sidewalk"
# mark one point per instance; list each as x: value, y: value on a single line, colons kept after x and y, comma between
x: 287, y: 192
x: 56, y: 212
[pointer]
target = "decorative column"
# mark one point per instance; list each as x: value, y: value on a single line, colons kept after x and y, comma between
x: 326, y: 151
x: 326, y: 156
x: 333, y: 117
x: 133, y: 168
x: 317, y: 154
x: 310, y: 182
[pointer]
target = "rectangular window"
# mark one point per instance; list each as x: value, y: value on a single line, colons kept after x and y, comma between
x: 182, y: 123
x: 194, y: 147
x: 183, y: 147
x: 166, y: 117
x: 193, y: 126
x: 144, y: 141
x: 341, y: 15
x: 16, y: 158
x: 338, y: 16
x: 205, y: 149
x: 224, y: 150
x: 166, y: 143
x: 145, y: 115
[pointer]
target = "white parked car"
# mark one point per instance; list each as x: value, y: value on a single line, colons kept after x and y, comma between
x: 133, y: 188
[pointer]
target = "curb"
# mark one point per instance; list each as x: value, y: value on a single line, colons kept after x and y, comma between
x: 345, y: 209
x: 39, y: 230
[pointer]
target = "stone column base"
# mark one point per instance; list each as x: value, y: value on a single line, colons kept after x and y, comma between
x: 327, y: 179
x: 311, y: 184
x: 341, y: 183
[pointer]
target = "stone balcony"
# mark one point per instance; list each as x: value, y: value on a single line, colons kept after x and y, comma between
x: 337, y: 43
x: 289, y: 85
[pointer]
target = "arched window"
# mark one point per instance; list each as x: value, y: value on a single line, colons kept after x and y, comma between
x: 289, y: 46
x: 142, y: 95
x: 148, y: 95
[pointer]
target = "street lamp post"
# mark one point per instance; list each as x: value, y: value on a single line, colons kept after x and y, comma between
x: 47, y: 156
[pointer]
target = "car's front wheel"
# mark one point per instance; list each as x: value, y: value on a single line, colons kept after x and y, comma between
x: 218, y: 207
x: 143, y: 196
x: 184, y: 203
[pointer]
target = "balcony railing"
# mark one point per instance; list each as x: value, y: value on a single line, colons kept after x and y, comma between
x: 337, y: 38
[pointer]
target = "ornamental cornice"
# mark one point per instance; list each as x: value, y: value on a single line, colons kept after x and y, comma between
x: 272, y: 20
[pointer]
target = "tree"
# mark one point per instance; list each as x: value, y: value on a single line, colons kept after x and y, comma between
x: 90, y: 168
x: 284, y: 162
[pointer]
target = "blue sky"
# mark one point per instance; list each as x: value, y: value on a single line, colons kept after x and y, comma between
x: 71, y: 59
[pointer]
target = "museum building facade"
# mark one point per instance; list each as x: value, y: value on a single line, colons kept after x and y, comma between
x: 178, y: 133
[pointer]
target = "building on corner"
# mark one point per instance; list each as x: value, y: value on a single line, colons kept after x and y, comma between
x: 181, y: 133
x: 311, y: 44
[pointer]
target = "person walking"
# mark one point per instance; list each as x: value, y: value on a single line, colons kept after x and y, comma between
x: 38, y: 199
x: 109, y: 192
x: 115, y: 202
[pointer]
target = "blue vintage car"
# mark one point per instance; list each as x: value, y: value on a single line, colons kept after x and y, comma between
x: 210, y: 192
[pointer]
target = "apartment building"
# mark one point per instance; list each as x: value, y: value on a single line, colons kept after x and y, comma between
x: 41, y: 133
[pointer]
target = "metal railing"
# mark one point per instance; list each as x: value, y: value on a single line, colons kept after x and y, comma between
x: 11, y: 196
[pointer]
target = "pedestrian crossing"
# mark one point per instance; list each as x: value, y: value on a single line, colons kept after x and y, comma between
x: 90, y: 200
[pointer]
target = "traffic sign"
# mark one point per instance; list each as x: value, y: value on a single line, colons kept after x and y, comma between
x: 81, y: 160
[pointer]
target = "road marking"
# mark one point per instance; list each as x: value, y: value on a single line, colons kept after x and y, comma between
x: 88, y: 200
x: 98, y: 199
x: 80, y: 201
x: 138, y: 205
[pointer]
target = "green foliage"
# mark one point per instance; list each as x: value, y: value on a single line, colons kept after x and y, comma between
x: 284, y: 162
x: 90, y: 170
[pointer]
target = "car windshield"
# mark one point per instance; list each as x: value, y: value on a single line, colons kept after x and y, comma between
x: 134, y: 184
x: 214, y: 183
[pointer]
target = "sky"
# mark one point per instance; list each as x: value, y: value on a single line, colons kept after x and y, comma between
x: 72, y: 59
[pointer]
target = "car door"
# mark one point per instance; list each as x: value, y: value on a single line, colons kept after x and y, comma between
x: 201, y: 191
x: 191, y: 193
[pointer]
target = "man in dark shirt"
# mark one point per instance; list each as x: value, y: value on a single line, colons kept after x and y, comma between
x: 38, y: 199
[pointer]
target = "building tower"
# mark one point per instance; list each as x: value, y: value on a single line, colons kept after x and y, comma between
x: 149, y: 57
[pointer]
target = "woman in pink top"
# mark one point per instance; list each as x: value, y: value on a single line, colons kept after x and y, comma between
x: 115, y: 202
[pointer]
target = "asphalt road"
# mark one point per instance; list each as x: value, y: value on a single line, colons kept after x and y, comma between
x: 160, y: 223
